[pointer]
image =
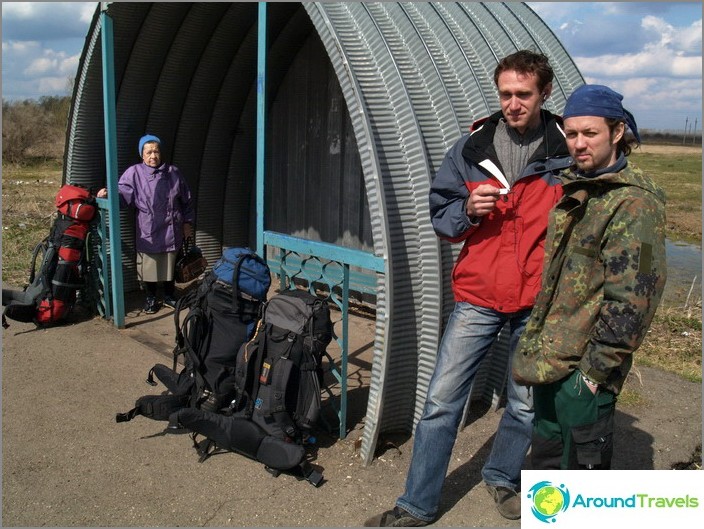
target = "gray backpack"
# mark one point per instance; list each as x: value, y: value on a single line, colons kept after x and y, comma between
x: 278, y: 376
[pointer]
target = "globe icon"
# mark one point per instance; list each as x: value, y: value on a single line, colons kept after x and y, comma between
x: 548, y: 500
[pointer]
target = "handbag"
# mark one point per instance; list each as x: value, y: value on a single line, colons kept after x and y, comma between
x: 190, y: 263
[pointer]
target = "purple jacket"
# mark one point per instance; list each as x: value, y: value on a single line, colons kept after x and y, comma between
x: 163, y: 202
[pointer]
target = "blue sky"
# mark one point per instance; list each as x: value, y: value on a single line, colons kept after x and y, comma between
x: 651, y: 52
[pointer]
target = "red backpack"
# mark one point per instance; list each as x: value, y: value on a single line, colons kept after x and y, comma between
x: 51, y: 292
x: 76, y: 202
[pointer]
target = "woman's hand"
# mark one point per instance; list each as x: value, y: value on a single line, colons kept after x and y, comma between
x: 102, y: 193
x: 187, y: 230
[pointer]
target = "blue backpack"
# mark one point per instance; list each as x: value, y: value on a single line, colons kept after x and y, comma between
x: 246, y: 272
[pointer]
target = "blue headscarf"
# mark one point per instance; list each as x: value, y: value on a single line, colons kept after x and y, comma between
x: 599, y: 100
x: 147, y: 139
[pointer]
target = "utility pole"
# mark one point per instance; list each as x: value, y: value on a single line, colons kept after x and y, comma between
x: 694, y: 132
x: 684, y: 138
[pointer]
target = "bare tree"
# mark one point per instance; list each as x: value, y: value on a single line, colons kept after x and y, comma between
x: 34, y: 129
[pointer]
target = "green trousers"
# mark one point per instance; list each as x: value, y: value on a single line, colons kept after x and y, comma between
x: 573, y: 428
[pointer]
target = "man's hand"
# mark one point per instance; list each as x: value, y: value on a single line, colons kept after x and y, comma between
x: 482, y: 200
x: 593, y: 386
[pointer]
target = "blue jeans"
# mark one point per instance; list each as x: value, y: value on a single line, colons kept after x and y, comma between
x: 470, y: 332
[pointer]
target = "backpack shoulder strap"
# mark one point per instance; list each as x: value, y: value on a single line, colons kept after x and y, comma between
x: 250, y: 359
x: 42, y: 247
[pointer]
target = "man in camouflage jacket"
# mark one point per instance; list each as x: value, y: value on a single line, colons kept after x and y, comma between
x: 603, y: 277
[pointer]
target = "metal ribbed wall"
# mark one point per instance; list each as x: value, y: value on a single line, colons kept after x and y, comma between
x: 411, y: 78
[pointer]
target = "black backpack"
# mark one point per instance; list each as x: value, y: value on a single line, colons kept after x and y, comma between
x: 51, y: 292
x: 221, y: 315
x: 278, y: 376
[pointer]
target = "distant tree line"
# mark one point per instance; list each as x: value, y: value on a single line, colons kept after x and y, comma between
x: 34, y: 129
x: 671, y: 138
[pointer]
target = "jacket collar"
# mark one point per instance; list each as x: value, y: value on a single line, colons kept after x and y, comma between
x: 481, y: 143
x: 620, y: 174
x: 154, y: 171
x: 619, y: 165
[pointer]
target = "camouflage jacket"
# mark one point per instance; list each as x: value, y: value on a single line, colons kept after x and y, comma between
x: 603, y: 276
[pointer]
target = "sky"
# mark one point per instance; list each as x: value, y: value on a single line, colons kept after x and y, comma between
x: 651, y: 52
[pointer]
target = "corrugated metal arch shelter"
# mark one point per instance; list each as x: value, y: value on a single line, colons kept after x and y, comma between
x: 363, y: 100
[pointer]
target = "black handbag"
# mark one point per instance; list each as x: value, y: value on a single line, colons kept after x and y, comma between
x: 190, y: 263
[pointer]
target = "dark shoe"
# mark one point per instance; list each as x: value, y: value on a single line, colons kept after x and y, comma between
x: 396, y: 517
x: 151, y: 306
x: 170, y: 302
x: 508, y: 501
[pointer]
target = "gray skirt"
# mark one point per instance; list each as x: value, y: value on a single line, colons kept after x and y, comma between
x: 156, y: 266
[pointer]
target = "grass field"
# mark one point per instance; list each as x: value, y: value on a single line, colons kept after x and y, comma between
x: 674, y: 341
x: 679, y: 172
x: 27, y: 213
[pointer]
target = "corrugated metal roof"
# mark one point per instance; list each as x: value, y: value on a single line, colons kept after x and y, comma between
x: 365, y: 99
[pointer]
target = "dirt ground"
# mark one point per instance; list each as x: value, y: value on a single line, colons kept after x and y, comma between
x: 66, y: 462
x: 668, y: 149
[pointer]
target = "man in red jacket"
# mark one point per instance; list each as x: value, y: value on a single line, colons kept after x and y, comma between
x: 493, y: 193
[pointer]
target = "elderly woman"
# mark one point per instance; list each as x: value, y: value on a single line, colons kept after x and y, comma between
x: 161, y: 198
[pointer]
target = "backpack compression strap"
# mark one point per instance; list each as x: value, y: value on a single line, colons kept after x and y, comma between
x: 236, y: 301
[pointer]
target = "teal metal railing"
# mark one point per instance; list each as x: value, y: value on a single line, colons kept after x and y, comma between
x: 331, y: 272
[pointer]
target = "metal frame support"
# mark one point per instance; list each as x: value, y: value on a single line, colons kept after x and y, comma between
x: 110, y: 127
x: 261, y: 123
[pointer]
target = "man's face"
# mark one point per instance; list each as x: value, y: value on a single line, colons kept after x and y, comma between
x: 591, y: 143
x: 521, y: 99
x: 151, y: 154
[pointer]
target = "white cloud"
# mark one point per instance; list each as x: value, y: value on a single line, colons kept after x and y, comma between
x: 52, y: 63
x: 655, y: 62
x: 39, y: 66
x: 19, y: 10
x: 658, y: 102
x: 86, y: 12
x: 46, y: 20
x: 690, y: 39
x: 21, y: 48
x: 53, y: 85
x: 687, y: 39
x: 676, y: 52
x: 556, y: 10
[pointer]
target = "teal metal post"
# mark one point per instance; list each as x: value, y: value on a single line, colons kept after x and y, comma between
x: 344, y: 349
x: 261, y: 123
x: 109, y: 117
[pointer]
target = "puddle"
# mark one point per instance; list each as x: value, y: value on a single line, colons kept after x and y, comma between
x: 684, y: 268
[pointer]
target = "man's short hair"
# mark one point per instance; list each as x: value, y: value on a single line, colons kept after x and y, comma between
x: 526, y: 62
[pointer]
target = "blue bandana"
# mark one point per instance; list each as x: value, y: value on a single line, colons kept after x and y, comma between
x: 147, y: 139
x: 599, y: 100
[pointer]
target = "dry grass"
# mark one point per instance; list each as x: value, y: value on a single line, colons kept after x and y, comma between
x: 674, y: 341
x: 27, y: 213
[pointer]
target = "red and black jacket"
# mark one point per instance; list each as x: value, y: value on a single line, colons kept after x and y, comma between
x: 500, y: 264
